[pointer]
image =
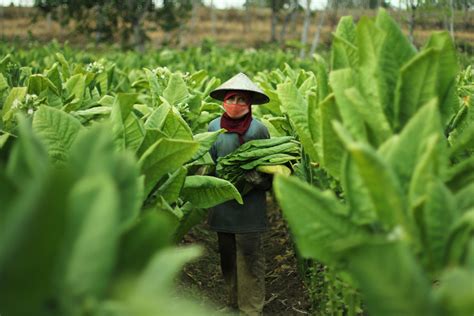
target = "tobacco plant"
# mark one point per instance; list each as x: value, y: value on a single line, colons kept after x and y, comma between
x: 402, y: 233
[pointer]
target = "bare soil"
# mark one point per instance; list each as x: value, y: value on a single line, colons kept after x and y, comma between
x: 286, y: 293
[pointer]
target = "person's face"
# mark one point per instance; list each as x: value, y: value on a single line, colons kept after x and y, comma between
x: 236, y: 106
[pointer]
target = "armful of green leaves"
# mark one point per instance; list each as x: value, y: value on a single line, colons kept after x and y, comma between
x: 248, y: 164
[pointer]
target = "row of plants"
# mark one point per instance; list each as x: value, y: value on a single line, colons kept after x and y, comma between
x: 383, y: 195
x: 220, y: 62
x: 97, y: 185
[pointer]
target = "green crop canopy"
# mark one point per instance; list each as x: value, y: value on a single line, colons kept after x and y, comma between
x: 240, y: 82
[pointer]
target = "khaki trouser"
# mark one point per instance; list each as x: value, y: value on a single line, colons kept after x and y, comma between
x: 243, y: 267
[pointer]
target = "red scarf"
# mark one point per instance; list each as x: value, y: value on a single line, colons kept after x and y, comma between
x: 240, y: 125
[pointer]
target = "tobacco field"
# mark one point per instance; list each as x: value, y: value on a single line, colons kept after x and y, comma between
x: 105, y: 166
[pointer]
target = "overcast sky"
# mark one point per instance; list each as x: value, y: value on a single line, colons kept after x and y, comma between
x: 217, y: 3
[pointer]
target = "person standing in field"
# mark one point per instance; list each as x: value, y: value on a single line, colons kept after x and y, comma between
x: 239, y: 227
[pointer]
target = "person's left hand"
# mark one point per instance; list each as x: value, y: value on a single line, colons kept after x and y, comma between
x: 254, y: 177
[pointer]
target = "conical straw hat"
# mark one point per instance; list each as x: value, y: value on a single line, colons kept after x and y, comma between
x: 240, y: 82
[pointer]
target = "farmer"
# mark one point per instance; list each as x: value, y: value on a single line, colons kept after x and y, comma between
x: 239, y: 227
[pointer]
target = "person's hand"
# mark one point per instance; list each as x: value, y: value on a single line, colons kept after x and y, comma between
x: 254, y: 177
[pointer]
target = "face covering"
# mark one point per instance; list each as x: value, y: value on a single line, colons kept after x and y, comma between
x: 236, y: 111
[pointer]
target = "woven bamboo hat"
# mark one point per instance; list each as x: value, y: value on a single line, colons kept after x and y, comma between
x: 240, y: 82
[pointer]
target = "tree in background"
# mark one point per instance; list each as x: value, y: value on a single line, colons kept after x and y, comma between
x: 444, y: 9
x: 290, y: 18
x: 305, y: 32
x: 116, y: 19
x: 47, y: 8
x: 172, y: 14
x: 276, y: 6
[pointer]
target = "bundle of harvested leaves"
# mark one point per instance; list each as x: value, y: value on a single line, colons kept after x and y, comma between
x: 258, y: 154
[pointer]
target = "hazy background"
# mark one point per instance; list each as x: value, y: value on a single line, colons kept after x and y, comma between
x: 304, y: 26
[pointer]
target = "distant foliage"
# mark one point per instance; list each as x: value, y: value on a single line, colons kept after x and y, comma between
x: 113, y: 19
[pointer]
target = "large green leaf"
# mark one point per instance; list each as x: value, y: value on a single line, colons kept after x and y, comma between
x: 397, y: 45
x: 427, y: 170
x: 97, y: 110
x: 31, y: 234
x: 4, y: 139
x: 455, y: 294
x: 127, y: 129
x: 439, y: 214
x: 57, y: 130
x: 297, y: 109
x: 322, y: 78
x: 462, y: 137
x: 16, y: 95
x: 37, y: 84
x: 314, y: 122
x: 381, y: 182
x: 176, y: 127
x: 206, y: 140
x: 170, y: 190
x: 3, y: 83
x: 390, y: 280
x: 54, y: 76
x: 411, y: 144
x: 65, y: 67
x: 317, y: 220
x: 340, y: 81
x: 166, y: 155
x: 460, y: 239
x: 176, y: 91
x: 32, y: 222
x: 155, y: 88
x: 446, y: 73
x: 151, y: 137
x: 150, y: 294
x: 158, y: 276
x: 380, y: 73
x: 205, y: 191
x: 274, y: 169
x: 332, y: 150
x: 92, y: 237
x: 361, y: 206
x: 377, y: 126
x: 343, y: 50
x: 102, y: 82
x: 29, y: 157
x: 157, y: 117
x: 191, y: 217
x: 74, y: 88
x: 134, y: 132
x: 94, y: 153
x: 151, y: 232
x: 465, y: 198
x: 370, y: 40
x: 379, y: 63
x: 166, y: 119
x: 461, y: 175
x: 417, y: 85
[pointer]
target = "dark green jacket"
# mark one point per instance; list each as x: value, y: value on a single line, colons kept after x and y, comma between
x: 231, y: 217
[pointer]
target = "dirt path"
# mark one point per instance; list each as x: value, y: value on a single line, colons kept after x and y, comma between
x: 285, y: 294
